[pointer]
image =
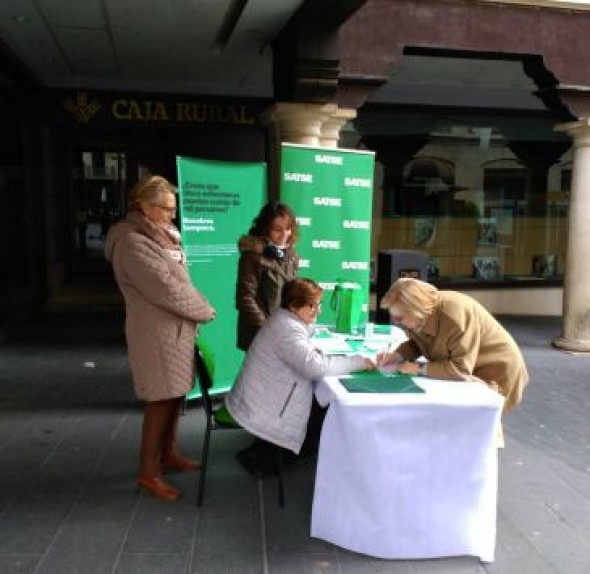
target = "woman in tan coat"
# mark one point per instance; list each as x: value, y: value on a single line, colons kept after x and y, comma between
x: 458, y: 336
x: 163, y: 310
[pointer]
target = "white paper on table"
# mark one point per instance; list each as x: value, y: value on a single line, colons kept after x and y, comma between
x: 332, y: 345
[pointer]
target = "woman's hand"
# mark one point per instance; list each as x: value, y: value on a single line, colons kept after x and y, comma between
x: 369, y: 364
x: 384, y: 358
x: 412, y: 368
x: 408, y: 368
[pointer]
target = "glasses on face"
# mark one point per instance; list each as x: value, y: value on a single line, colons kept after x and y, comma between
x: 170, y: 210
x: 315, y: 306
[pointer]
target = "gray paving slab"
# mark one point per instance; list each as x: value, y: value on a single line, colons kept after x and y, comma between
x: 18, y: 563
x: 69, y: 432
x: 303, y: 562
x: 152, y: 563
x: 351, y: 563
x: 228, y: 562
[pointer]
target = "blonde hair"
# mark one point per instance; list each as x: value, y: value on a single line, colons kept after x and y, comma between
x: 412, y: 296
x: 149, y: 190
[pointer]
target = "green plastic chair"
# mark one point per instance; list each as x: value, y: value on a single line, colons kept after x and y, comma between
x: 217, y: 418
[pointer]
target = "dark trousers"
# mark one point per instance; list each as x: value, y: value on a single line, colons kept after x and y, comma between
x: 261, y: 457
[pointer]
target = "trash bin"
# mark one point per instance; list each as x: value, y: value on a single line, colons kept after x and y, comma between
x: 393, y: 264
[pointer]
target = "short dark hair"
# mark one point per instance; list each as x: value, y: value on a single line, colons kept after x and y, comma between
x: 263, y: 221
x: 299, y: 292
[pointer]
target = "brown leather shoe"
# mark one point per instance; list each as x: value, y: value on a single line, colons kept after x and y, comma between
x: 181, y: 464
x: 159, y: 488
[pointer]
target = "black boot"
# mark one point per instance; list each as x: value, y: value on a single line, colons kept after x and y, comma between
x: 259, y: 459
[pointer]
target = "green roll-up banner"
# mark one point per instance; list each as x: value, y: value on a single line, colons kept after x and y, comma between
x: 331, y: 192
x: 218, y: 201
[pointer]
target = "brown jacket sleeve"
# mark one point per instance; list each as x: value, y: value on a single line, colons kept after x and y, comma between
x: 247, y: 289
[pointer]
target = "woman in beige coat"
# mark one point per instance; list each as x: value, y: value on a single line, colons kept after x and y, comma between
x: 458, y: 336
x: 163, y: 310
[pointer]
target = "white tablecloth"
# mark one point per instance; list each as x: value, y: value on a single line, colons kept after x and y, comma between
x: 409, y: 475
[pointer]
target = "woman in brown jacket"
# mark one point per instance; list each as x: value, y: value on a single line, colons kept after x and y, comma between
x: 458, y: 336
x: 267, y: 261
x: 162, y: 312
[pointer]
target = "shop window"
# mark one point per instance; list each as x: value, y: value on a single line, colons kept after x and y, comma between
x: 17, y: 234
x: 487, y: 210
x: 428, y: 187
x: 98, y: 198
x: 566, y: 180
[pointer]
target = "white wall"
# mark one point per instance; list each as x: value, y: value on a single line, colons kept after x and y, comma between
x: 536, y: 301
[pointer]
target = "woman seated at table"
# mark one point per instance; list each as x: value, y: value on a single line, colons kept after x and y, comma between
x: 458, y: 336
x: 273, y: 393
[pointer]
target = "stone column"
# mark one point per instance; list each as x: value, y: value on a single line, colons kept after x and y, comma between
x: 299, y: 123
x: 306, y: 124
x: 576, y: 293
x: 330, y: 130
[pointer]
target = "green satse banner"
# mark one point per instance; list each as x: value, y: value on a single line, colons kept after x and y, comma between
x: 331, y: 192
x: 218, y: 201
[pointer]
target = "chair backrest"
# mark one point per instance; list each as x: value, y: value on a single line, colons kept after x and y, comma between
x: 205, y: 381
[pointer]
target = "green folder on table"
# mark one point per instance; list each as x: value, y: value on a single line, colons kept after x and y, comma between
x: 376, y: 382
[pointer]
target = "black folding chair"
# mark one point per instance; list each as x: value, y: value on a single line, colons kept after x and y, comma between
x: 219, y: 419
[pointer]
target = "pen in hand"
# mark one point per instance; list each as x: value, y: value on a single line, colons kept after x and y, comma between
x: 384, y: 358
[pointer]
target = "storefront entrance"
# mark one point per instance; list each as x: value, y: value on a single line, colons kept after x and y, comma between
x: 98, y: 198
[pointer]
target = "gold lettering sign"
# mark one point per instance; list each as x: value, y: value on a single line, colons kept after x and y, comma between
x: 212, y: 113
x: 140, y: 110
x: 82, y: 109
x: 183, y: 112
x: 143, y: 110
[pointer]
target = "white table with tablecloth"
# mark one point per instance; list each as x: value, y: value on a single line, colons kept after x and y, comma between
x: 404, y: 476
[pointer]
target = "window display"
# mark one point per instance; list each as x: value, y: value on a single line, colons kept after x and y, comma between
x: 485, y: 210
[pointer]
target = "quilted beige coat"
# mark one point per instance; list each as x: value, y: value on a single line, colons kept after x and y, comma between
x: 162, y: 307
x: 462, y: 340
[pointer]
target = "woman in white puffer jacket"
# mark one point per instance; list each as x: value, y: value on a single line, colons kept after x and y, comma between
x: 273, y: 392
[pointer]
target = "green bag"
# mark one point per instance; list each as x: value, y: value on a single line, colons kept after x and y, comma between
x: 346, y: 301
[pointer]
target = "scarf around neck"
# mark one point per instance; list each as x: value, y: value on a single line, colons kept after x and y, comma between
x: 167, y: 238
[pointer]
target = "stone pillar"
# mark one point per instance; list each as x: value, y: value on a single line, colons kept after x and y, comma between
x: 330, y: 130
x: 576, y: 292
x: 299, y: 123
x: 306, y: 124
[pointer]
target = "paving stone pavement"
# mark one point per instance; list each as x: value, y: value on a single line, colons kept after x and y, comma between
x: 69, y: 431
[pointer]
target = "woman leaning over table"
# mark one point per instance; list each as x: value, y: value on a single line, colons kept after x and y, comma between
x: 163, y: 310
x: 273, y: 393
x: 458, y: 336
